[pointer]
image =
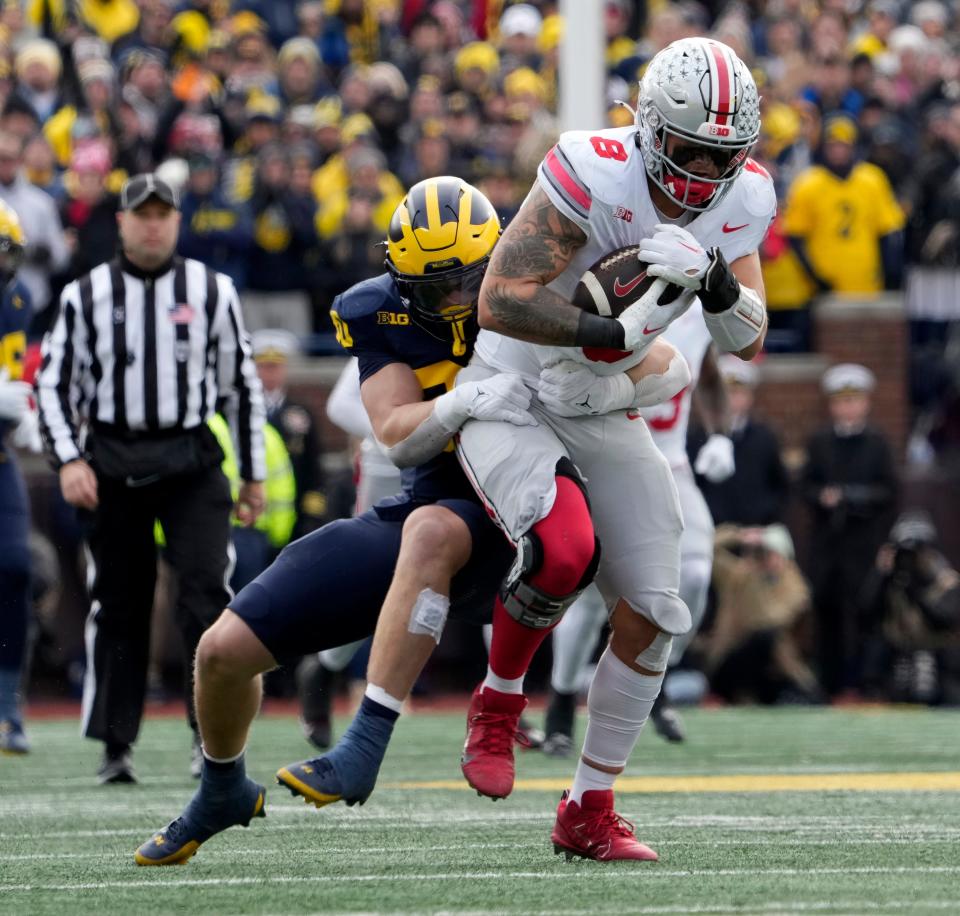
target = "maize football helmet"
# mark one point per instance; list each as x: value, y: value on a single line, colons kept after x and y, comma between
x: 438, y: 246
x: 12, y: 243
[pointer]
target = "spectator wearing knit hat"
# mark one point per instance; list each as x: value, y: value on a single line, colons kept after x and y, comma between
x: 89, y: 210
x: 46, y: 250
x: 300, y: 73
x: 364, y: 171
x: 91, y: 115
x: 476, y: 65
x: 38, y: 68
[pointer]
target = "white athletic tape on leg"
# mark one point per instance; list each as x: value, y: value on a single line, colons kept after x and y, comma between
x: 429, y: 614
x: 654, y: 657
x: 223, y: 759
x: 379, y: 695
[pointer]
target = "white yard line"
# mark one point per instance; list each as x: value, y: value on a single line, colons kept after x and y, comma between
x: 261, y: 852
x: 645, y: 873
x: 881, y: 829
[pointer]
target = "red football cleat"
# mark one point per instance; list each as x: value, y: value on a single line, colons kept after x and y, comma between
x: 492, y: 723
x: 593, y: 830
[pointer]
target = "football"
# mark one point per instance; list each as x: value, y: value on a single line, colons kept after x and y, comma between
x: 616, y: 281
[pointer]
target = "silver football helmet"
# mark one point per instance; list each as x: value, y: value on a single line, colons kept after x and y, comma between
x: 698, y: 90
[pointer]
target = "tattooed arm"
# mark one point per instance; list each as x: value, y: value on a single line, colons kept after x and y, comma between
x: 514, y: 300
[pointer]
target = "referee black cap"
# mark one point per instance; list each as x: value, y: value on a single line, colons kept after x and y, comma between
x: 141, y: 188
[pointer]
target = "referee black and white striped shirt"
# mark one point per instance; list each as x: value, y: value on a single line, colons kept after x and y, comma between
x: 149, y: 352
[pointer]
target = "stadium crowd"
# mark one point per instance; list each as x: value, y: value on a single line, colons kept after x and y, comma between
x: 293, y: 128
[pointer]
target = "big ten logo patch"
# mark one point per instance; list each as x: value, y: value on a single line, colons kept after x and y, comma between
x: 623, y: 213
x: 398, y: 318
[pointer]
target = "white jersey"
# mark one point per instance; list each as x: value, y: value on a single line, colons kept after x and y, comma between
x: 668, y: 422
x: 378, y: 477
x: 598, y: 180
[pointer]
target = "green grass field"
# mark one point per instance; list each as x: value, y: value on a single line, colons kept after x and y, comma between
x: 785, y: 811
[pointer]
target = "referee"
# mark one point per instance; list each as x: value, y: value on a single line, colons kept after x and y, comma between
x: 143, y: 349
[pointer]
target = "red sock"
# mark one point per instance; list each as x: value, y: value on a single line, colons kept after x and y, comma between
x: 566, y: 535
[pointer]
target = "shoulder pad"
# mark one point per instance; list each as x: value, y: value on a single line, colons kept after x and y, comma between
x: 367, y: 297
x: 760, y: 197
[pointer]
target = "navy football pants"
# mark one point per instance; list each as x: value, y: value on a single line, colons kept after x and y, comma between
x: 14, y: 573
x: 326, y: 589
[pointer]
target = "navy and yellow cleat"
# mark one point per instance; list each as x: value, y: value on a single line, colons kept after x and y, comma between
x: 181, y: 838
x: 317, y: 783
x: 13, y: 739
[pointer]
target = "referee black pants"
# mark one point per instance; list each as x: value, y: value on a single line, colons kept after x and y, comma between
x: 194, y: 510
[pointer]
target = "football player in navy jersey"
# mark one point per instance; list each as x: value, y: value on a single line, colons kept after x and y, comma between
x: 428, y: 551
x: 17, y: 418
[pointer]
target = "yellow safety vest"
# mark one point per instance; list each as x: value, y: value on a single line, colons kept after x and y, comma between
x: 280, y: 487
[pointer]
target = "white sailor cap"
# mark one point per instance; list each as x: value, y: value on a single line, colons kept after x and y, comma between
x: 846, y: 377
x: 776, y: 538
x: 273, y: 345
x: 736, y: 371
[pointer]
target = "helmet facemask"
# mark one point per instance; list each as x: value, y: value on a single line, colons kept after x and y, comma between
x: 436, y: 301
x: 689, y: 189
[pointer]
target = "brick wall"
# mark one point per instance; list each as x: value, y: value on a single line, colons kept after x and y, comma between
x: 872, y: 333
x: 869, y: 332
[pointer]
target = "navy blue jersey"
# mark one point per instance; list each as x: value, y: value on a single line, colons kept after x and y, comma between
x: 374, y: 325
x: 15, y: 314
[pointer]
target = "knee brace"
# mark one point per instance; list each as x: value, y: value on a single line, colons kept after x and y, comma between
x: 527, y: 603
x: 523, y: 591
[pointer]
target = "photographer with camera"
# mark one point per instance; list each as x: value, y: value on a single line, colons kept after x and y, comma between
x: 752, y: 652
x: 911, y: 606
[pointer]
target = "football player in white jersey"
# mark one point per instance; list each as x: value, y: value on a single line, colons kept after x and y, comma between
x: 680, y: 185
x: 575, y: 637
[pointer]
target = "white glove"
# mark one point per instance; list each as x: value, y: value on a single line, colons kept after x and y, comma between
x: 673, y: 254
x: 715, y: 459
x: 27, y: 433
x: 14, y: 398
x: 646, y: 319
x: 570, y: 389
x: 502, y: 397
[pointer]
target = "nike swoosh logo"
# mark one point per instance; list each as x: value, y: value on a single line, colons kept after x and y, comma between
x: 728, y: 228
x: 624, y: 289
x: 649, y: 330
x: 142, y: 481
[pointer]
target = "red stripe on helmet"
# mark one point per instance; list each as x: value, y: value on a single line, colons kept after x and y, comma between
x: 724, y: 82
